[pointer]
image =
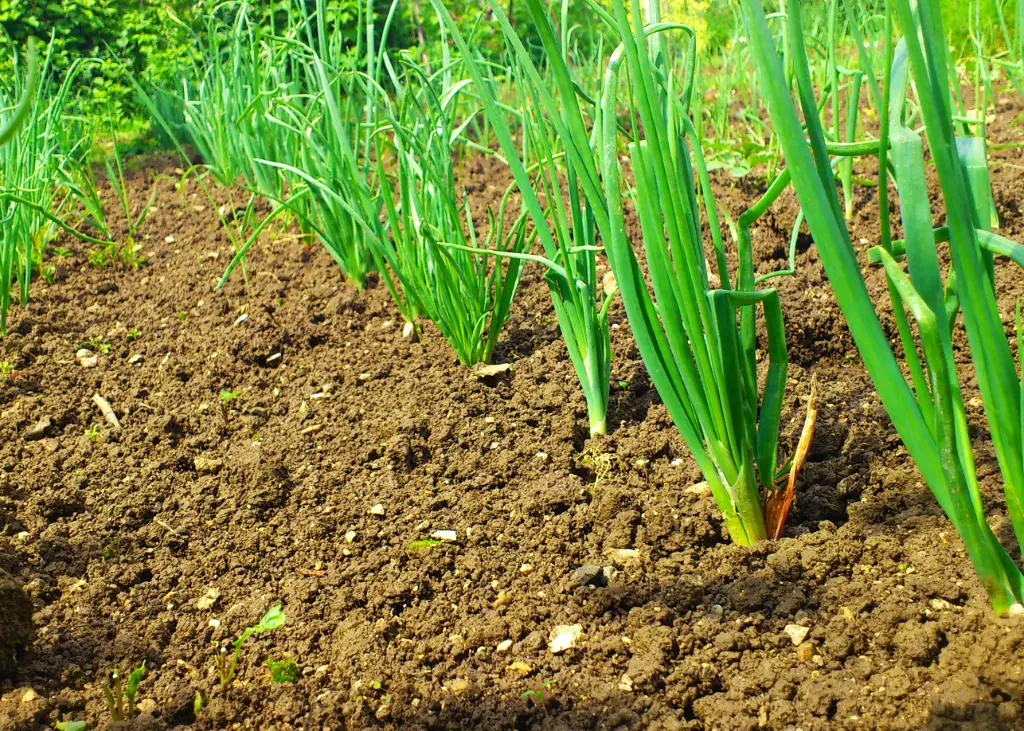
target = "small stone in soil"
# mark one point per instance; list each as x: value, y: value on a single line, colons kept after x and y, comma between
x: 623, y: 556
x: 526, y: 568
x: 796, y: 633
x: 520, y: 668
x: 448, y: 536
x: 350, y: 537
x: 490, y: 371
x: 564, y: 637
x: 206, y: 465
x: 38, y: 430
x: 591, y: 575
x: 87, y: 359
x: 701, y: 488
x: 377, y: 509
x: 503, y: 646
x: 208, y: 599
x: 805, y: 652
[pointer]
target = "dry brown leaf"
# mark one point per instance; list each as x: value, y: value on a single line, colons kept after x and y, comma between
x: 778, y: 503
x: 488, y: 371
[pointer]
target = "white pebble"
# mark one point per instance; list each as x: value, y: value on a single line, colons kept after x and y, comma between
x: 564, y: 637
x: 796, y: 633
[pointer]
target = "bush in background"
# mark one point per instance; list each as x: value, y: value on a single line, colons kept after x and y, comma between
x: 123, y: 36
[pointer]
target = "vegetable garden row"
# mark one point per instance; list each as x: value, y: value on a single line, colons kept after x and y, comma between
x: 363, y: 156
x: 359, y: 147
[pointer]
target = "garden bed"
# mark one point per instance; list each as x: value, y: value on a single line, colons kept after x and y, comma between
x: 347, y: 446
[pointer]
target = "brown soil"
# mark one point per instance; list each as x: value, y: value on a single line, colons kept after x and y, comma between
x: 117, y: 537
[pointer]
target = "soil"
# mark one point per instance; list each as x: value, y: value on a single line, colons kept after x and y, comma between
x: 348, y: 444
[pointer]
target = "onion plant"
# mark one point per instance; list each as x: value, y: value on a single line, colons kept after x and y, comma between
x: 378, y: 164
x: 330, y: 127
x: 242, y: 75
x: 345, y: 198
x: 19, y: 102
x: 698, y: 341
x: 1012, y: 57
x: 244, y: 71
x: 32, y: 200
x: 18, y: 113
x: 129, y: 251
x: 555, y: 133
x: 444, y: 269
x: 927, y: 412
x: 736, y: 139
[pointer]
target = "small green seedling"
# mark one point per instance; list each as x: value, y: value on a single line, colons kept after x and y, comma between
x: 284, y: 671
x: 113, y: 549
x: 182, y: 315
x: 6, y: 369
x: 226, y: 397
x: 422, y: 545
x: 70, y: 725
x: 132, y: 335
x: 99, y: 259
x: 129, y: 253
x: 93, y: 432
x: 200, y: 702
x: 120, y: 697
x: 227, y: 662
x: 538, y: 695
x: 97, y: 345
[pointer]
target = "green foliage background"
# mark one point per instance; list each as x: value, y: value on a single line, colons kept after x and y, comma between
x: 152, y: 39
x: 124, y: 36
